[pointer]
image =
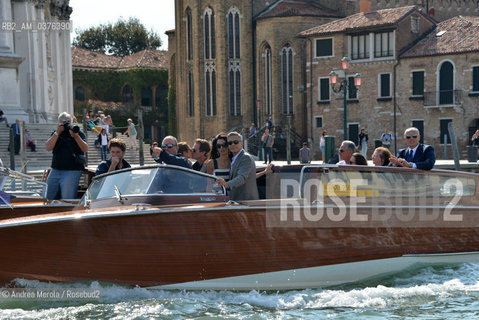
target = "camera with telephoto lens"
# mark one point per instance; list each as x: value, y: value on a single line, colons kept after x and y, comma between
x: 75, y: 128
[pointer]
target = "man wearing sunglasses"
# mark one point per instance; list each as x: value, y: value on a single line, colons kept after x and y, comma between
x: 416, y: 155
x: 168, y: 153
x: 346, y: 151
x: 201, y: 150
x: 242, y: 183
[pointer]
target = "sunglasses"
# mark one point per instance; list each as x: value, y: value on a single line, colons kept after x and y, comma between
x: 222, y: 145
x: 233, y: 142
x: 341, y: 150
x: 169, y: 145
x: 409, y: 137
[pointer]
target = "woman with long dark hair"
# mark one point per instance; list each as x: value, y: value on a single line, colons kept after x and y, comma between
x: 220, y: 162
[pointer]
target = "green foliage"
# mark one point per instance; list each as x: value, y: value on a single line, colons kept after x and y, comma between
x: 105, y: 89
x: 120, y: 39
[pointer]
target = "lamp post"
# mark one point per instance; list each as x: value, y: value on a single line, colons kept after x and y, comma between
x: 258, y: 130
x: 333, y: 79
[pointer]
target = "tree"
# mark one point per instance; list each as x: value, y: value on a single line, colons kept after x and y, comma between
x: 120, y: 39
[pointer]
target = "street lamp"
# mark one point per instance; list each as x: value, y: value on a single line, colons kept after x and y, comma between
x: 258, y: 131
x: 333, y: 79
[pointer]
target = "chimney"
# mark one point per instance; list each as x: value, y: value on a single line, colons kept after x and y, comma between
x: 364, y: 5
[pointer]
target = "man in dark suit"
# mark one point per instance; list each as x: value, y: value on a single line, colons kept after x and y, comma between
x: 242, y: 183
x: 16, y: 129
x: 416, y: 155
x: 168, y: 153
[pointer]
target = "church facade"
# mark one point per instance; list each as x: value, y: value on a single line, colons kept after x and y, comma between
x: 233, y: 63
x: 35, y: 60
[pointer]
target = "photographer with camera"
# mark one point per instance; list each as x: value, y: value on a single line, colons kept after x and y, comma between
x: 69, y: 146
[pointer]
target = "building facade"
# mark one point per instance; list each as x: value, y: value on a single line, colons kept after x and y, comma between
x: 238, y: 62
x: 414, y: 73
x: 35, y: 60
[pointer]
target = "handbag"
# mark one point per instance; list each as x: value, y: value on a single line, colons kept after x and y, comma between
x: 79, y: 158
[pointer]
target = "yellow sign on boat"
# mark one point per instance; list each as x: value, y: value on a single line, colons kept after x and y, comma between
x: 340, y: 189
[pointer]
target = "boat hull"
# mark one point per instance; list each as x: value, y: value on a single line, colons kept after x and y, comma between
x: 215, y: 247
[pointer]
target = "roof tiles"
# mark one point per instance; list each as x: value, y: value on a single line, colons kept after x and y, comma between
x: 82, y: 58
x: 457, y: 35
x: 287, y: 8
x: 361, y: 20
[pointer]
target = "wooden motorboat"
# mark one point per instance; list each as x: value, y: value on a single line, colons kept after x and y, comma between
x: 169, y: 227
x: 22, y: 195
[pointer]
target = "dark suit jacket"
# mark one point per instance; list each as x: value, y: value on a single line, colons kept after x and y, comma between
x: 177, y: 160
x: 424, y: 158
x: 242, y: 181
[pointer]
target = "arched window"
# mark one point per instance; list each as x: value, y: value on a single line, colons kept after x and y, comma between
x: 446, y: 83
x: 234, y: 79
x: 234, y: 63
x: 189, y: 34
x: 267, y: 80
x: 127, y: 94
x: 209, y: 33
x: 191, y: 104
x: 161, y: 101
x: 146, y: 97
x: 233, y: 33
x: 287, y: 79
x: 210, y: 89
x: 80, y: 93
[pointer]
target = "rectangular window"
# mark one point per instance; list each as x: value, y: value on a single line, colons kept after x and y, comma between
x: 352, y: 90
x: 418, y: 83
x: 419, y: 124
x: 360, y: 47
x: 415, y: 24
x: 444, y: 130
x: 383, y: 44
x: 324, y: 47
x: 323, y: 89
x: 385, y: 85
x: 475, y: 79
x: 319, y: 122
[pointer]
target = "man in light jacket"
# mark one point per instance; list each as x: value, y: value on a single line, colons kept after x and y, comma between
x: 242, y: 183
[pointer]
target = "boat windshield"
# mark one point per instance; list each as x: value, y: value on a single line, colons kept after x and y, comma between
x: 18, y: 184
x: 153, y: 180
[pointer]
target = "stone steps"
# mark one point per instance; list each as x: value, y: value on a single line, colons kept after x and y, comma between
x: 41, y: 159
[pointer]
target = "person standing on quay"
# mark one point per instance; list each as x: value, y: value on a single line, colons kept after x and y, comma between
x: 363, y: 142
x: 268, y: 142
x: 131, y: 132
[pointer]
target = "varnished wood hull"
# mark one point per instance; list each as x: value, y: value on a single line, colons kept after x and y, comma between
x: 33, y: 208
x: 168, y: 247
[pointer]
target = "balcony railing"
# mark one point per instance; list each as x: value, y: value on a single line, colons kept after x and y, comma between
x: 442, y: 98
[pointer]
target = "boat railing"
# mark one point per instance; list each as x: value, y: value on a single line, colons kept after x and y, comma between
x: 16, y: 183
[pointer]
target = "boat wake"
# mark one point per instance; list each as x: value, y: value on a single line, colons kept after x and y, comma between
x: 414, y: 287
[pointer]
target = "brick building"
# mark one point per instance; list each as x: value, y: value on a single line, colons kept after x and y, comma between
x: 414, y: 73
x: 237, y: 62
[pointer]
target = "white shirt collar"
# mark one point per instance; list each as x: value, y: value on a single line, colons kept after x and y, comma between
x: 236, y: 156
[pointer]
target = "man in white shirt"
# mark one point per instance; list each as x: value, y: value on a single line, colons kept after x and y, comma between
x: 346, y: 151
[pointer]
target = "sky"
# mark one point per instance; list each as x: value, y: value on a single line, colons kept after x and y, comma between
x: 156, y: 15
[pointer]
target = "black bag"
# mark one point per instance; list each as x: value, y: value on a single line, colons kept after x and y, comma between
x: 79, y: 158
